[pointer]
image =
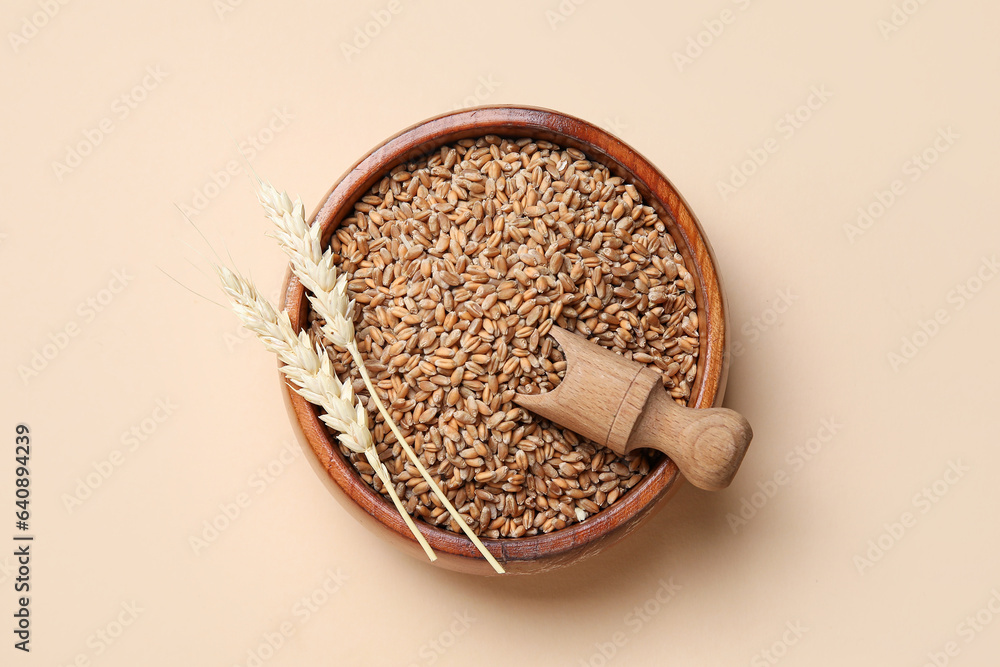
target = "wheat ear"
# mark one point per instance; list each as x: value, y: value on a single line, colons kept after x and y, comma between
x: 307, y: 365
x: 328, y: 296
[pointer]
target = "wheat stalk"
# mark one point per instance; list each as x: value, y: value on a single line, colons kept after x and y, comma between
x: 328, y: 296
x: 307, y: 366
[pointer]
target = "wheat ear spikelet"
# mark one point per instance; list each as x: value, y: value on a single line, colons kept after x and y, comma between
x: 316, y: 270
x: 307, y: 366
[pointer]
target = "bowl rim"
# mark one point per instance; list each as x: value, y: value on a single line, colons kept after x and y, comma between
x: 568, y: 131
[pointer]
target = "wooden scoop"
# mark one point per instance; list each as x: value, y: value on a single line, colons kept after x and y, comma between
x: 621, y: 404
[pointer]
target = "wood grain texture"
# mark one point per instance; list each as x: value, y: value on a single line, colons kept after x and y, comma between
x: 707, y: 445
x: 524, y: 555
x: 621, y: 404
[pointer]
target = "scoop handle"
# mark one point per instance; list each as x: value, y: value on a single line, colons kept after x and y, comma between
x: 707, y: 445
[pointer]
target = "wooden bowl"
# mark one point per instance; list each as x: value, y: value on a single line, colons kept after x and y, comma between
x: 523, y: 555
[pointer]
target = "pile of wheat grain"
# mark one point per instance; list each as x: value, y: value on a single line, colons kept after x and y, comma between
x: 460, y: 264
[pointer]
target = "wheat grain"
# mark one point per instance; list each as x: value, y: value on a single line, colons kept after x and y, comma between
x: 457, y: 286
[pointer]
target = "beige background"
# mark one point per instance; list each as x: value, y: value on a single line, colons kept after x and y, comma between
x: 224, y: 75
